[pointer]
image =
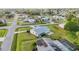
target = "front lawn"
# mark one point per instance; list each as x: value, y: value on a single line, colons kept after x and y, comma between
x: 23, y: 41
x: 23, y: 28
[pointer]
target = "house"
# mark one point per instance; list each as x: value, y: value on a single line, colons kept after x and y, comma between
x: 58, y: 18
x: 46, y: 44
x: 30, y: 20
x: 21, y: 16
x: 39, y: 30
x: 45, y: 19
x: 77, y: 15
x: 3, y: 21
x: 69, y: 45
x: 43, y: 46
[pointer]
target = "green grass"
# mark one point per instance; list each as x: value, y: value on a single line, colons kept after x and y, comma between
x: 14, y: 43
x: 60, y: 33
x: 10, y: 20
x: 23, y: 23
x: 0, y: 44
x: 23, y: 41
x: 23, y: 28
x: 3, y: 32
x: 9, y: 24
x: 27, y: 45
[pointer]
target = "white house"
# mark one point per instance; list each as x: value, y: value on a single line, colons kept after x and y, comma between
x: 45, y: 19
x: 29, y: 20
x: 38, y: 30
x: 4, y: 21
x: 57, y: 18
x: 21, y: 16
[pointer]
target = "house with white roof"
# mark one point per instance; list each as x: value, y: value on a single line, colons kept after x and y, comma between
x: 3, y: 21
x: 43, y: 46
x: 39, y: 30
x: 29, y: 20
x: 45, y: 19
x: 21, y: 16
x: 57, y: 18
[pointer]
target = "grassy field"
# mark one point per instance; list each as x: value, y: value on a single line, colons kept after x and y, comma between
x: 3, y: 32
x: 23, y: 41
x: 9, y: 24
x: 60, y: 33
x: 23, y: 28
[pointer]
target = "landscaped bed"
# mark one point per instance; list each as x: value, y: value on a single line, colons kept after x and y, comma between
x: 23, y: 41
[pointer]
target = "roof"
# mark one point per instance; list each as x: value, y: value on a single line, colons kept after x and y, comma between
x: 41, y: 29
x: 45, y: 18
x: 2, y: 20
x: 68, y: 44
x: 58, y: 17
x: 43, y: 46
x: 29, y: 20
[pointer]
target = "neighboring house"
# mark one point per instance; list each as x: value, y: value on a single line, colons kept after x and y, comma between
x: 39, y: 30
x: 29, y: 20
x: 43, y: 46
x: 68, y: 44
x: 58, y: 19
x: 45, y: 19
x: 21, y: 16
x: 46, y: 44
x: 77, y: 15
x: 3, y: 21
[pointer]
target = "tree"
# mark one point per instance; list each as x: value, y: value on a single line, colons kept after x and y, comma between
x: 72, y: 26
x: 10, y: 16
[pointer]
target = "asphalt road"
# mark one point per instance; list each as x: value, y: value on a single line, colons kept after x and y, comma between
x: 6, y: 46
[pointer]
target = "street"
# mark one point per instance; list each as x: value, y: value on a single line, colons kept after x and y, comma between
x: 6, y: 46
